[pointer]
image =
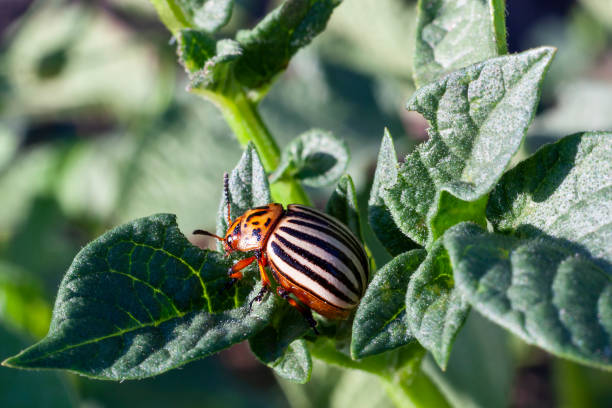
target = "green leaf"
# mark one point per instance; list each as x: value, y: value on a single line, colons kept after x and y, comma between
x: 475, y: 27
x: 208, y: 63
x: 141, y: 300
x: 546, y: 290
x: 207, y: 15
x: 452, y: 210
x: 278, y: 345
x: 295, y: 364
x: 248, y: 188
x: 195, y: 48
x: 379, y: 216
x: 342, y: 205
x: 478, y: 116
x: 435, y: 309
x: 316, y: 157
x: 564, y: 190
x: 270, y: 45
x: 381, y: 322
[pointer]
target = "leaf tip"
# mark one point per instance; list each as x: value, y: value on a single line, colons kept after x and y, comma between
x: 8, y: 363
x: 14, y: 362
x: 387, y: 134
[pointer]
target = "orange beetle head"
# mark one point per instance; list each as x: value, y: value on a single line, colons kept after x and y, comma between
x: 232, y: 236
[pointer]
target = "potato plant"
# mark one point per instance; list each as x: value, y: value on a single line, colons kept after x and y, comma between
x: 470, y: 225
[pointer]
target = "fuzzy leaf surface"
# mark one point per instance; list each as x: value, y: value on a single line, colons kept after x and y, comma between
x: 478, y: 116
x: 343, y: 205
x: 435, y: 309
x: 206, y: 15
x: 269, y: 46
x: 248, y: 188
x: 550, y: 292
x: 379, y: 216
x: 279, y: 347
x: 317, y: 158
x: 446, y: 26
x: 208, y: 63
x: 141, y: 300
x: 381, y: 322
x: 564, y: 190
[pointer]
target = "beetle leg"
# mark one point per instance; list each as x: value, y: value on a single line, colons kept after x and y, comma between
x: 261, y: 262
x: 234, y: 272
x: 305, y: 311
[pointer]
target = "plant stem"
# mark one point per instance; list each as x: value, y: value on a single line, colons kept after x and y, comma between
x: 399, y: 371
x: 243, y: 118
x: 420, y: 392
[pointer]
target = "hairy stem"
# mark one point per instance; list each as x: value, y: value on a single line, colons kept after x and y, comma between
x: 243, y: 118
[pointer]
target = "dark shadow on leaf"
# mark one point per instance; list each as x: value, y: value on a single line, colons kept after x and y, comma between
x: 316, y: 164
x: 387, y: 231
x: 537, y: 177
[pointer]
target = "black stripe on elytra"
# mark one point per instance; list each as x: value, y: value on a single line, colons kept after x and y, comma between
x: 267, y: 222
x: 261, y: 207
x: 330, y: 230
x: 294, y: 263
x: 256, y: 214
x: 333, y: 251
x: 275, y: 271
x: 313, y: 216
x: 319, y: 262
x: 322, y: 217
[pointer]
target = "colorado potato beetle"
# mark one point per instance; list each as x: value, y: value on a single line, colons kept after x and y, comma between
x: 311, y: 255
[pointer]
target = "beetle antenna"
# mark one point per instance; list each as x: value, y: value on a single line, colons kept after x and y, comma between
x: 210, y: 234
x: 227, y: 197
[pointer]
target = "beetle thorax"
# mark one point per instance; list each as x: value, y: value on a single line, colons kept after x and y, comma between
x: 250, y: 231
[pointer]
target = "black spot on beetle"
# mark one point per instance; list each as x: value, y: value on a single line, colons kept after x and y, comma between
x: 257, y: 234
x: 268, y: 221
x: 255, y: 222
x: 261, y: 207
x: 236, y: 230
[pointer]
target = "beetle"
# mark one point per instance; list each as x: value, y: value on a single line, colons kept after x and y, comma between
x: 311, y: 255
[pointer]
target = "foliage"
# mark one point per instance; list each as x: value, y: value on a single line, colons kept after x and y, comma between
x: 470, y: 225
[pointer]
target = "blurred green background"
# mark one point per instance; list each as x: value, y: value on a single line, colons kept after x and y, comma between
x: 96, y: 129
